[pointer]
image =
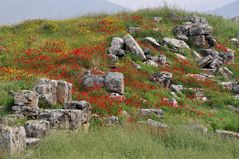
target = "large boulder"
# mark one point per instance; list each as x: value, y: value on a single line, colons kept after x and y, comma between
x: 164, y: 78
x: 12, y: 140
x: 65, y: 119
x: 134, y: 47
x: 90, y: 80
x: 53, y: 91
x: 114, y: 82
x: 37, y: 128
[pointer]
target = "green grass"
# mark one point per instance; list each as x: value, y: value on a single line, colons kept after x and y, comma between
x: 133, y: 142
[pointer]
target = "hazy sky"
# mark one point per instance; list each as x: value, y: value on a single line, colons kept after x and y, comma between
x: 199, y: 5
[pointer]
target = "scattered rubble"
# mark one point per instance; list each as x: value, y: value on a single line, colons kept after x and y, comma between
x: 195, y: 31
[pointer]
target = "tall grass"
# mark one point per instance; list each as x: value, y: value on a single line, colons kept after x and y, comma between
x: 134, y: 142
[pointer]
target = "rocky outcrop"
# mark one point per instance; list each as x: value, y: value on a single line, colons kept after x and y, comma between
x: 195, y: 31
x: 53, y: 91
x: 12, y: 140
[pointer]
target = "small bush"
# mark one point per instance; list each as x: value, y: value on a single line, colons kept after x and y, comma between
x: 49, y: 28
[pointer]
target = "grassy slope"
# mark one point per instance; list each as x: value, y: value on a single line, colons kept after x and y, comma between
x: 63, y: 49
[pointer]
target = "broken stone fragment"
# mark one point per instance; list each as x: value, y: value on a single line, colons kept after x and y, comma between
x: 117, y: 43
x: 133, y: 30
x: 53, y: 91
x: 32, y: 141
x: 180, y: 57
x: 12, y: 140
x: 196, y: 55
x: 157, y: 19
x: 175, y: 43
x: 151, y: 63
x: 225, y: 133
x: 26, y: 98
x: 200, y: 29
x: 112, y: 120
x: 37, y: 128
x: 113, y: 58
x: 164, y: 78
x: 206, y: 52
x: 205, y: 61
x: 200, y: 77
x: 116, y: 52
x: 149, y: 112
x: 114, y: 82
x: 90, y: 81
x: 162, y: 59
x: 235, y: 42
x: 225, y: 72
x: 216, y: 64
x: 196, y: 19
x: 228, y: 57
x: 79, y: 105
x: 227, y: 85
x: 235, y: 87
x: 198, y: 41
x: 176, y: 88
x: 199, y: 94
x: 134, y: 47
x: 153, y: 42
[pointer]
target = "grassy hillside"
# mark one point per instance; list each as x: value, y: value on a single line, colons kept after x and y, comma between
x: 64, y: 49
